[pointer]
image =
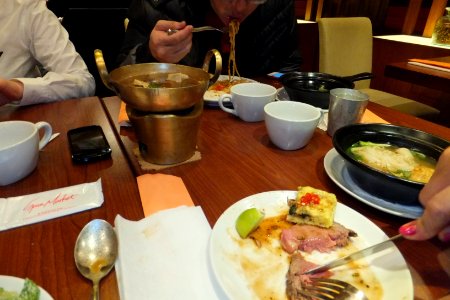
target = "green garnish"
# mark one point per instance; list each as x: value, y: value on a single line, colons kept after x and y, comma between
x: 30, y: 291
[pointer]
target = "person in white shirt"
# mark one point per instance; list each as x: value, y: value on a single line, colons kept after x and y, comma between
x: 38, y: 62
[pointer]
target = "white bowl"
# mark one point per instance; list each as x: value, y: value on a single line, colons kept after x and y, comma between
x: 291, y: 124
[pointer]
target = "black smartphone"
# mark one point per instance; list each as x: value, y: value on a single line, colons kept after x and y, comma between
x: 88, y: 144
x: 275, y: 74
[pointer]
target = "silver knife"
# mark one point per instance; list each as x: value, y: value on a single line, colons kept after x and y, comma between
x: 354, y: 256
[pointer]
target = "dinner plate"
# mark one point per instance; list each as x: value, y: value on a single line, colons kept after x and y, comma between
x: 15, y: 284
x: 336, y: 169
x: 245, y: 271
x: 211, y: 98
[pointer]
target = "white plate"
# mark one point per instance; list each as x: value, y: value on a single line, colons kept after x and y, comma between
x: 336, y: 169
x: 247, y: 272
x: 15, y: 284
x: 212, y: 97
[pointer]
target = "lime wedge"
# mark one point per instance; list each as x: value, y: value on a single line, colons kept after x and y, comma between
x: 248, y: 221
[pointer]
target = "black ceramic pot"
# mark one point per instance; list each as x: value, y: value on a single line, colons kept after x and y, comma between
x: 389, y: 187
x: 314, y: 88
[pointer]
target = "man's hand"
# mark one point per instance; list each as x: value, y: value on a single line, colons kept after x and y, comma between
x: 170, y: 48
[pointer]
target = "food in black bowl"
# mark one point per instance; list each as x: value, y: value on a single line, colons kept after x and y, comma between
x: 314, y: 88
x: 389, y: 161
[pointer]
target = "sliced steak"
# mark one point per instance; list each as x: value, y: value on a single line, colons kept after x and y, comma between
x: 308, y: 238
x: 295, y: 281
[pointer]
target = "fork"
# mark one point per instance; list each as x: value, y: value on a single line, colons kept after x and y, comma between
x: 198, y: 29
x: 332, y: 289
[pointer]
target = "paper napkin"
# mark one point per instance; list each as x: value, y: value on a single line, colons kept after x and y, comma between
x: 370, y: 117
x: 165, y: 256
x: 123, y: 116
x: 161, y: 191
x: 29, y: 209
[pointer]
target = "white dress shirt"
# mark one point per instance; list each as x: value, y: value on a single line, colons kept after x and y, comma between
x: 31, y: 35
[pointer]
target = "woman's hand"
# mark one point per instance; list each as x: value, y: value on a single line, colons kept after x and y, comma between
x: 435, y: 198
x: 170, y: 48
x: 10, y: 90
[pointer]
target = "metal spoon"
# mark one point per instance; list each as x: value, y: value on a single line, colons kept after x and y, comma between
x: 198, y: 29
x: 96, y: 252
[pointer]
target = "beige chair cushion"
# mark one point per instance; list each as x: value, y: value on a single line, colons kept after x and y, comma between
x: 345, y: 46
x: 402, y: 104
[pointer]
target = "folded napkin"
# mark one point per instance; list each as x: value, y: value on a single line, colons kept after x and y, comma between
x: 123, y: 116
x: 370, y: 117
x: 161, y: 191
x: 165, y: 256
x: 433, y: 64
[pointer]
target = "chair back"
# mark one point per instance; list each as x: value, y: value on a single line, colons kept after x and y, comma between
x: 345, y: 47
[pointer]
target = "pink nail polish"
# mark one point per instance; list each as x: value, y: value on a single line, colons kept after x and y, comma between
x: 446, y: 237
x: 408, y: 229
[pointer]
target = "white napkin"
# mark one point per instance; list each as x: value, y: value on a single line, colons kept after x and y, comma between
x: 323, y: 122
x: 165, y: 256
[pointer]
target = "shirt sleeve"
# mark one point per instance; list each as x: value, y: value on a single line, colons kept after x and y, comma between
x: 66, y: 74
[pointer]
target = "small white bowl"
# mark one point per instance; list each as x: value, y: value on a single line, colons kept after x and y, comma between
x: 291, y: 124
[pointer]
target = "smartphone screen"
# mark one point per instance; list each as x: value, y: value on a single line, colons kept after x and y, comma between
x: 275, y: 74
x: 88, y: 144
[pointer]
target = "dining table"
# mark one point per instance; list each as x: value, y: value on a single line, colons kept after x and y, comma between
x: 44, y: 251
x: 237, y: 160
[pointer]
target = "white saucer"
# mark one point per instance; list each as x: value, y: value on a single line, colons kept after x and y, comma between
x: 336, y: 169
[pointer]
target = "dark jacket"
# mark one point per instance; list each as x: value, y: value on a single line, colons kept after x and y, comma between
x: 266, y: 41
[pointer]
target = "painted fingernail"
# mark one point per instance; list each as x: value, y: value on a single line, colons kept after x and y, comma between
x: 446, y: 237
x: 408, y: 229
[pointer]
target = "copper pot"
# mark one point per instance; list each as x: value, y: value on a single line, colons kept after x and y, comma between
x: 159, y: 99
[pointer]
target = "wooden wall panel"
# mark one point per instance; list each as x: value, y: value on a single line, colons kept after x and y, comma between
x: 386, y: 51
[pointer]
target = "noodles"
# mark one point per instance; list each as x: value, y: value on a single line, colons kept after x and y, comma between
x: 232, y: 68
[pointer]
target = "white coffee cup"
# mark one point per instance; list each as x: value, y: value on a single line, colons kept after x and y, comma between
x: 20, y: 143
x: 291, y: 124
x: 248, y: 100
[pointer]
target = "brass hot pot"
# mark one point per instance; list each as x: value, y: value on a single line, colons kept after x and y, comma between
x: 159, y: 99
x: 167, y: 138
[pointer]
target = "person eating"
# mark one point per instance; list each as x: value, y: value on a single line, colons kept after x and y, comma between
x: 259, y: 36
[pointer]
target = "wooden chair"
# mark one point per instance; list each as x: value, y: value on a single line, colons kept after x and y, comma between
x: 345, y: 48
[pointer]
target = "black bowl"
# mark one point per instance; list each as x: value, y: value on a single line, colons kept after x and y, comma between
x: 386, y: 186
x: 312, y: 88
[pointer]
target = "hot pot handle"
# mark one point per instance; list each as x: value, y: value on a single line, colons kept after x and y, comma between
x: 102, y: 70
x: 218, y: 57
